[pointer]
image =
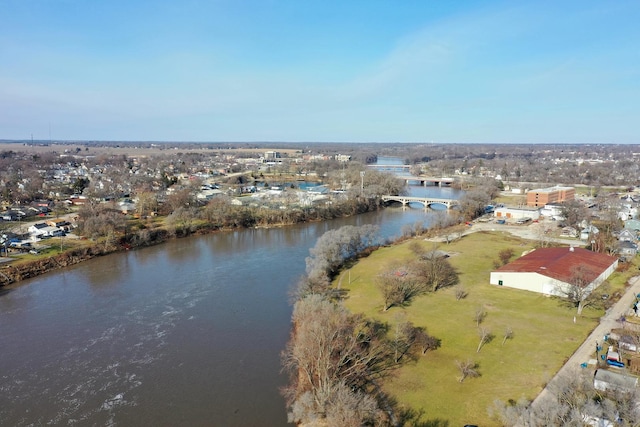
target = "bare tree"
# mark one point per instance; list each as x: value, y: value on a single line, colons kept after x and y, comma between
x: 505, y: 255
x: 404, y: 337
x: 397, y: 287
x: 425, y: 341
x: 328, y: 347
x: 434, y: 271
x: 572, y: 401
x: 485, y: 337
x: 479, y: 315
x: 578, y: 289
x: 460, y: 293
x: 468, y: 368
x: 508, y: 334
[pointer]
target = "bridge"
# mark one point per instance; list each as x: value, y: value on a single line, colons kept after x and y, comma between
x: 389, y: 167
x: 425, y: 201
x: 426, y: 180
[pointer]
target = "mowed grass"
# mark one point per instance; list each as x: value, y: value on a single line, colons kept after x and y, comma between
x: 545, y: 334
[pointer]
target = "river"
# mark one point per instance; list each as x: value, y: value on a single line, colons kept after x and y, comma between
x: 184, y: 333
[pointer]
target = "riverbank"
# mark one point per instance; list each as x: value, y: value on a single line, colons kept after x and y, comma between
x: 149, y: 234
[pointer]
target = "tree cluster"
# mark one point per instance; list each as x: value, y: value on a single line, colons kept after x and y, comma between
x: 429, y: 272
x: 335, y: 358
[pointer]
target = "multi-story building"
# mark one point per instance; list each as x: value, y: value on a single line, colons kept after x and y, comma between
x: 545, y: 196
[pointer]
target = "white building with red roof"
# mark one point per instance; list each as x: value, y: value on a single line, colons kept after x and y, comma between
x: 553, y: 271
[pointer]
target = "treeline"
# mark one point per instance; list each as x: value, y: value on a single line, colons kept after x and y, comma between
x: 335, y: 358
x: 106, y: 224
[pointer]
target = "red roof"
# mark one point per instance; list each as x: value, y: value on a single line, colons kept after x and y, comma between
x: 558, y: 263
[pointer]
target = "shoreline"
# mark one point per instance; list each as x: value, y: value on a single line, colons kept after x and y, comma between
x: 11, y: 274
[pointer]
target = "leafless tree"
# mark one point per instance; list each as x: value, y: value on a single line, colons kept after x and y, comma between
x: 434, y: 271
x: 574, y: 212
x: 578, y: 289
x: 572, y: 401
x: 467, y: 369
x: 508, y: 334
x: 404, y: 337
x: 505, y: 255
x: 479, y: 315
x: 330, y: 347
x: 460, y: 293
x: 485, y: 337
x: 397, y: 287
x: 425, y: 341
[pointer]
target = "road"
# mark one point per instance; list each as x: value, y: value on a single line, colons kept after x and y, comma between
x: 609, y: 321
x: 587, y: 350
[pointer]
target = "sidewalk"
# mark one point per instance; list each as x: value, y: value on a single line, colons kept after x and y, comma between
x: 588, y: 348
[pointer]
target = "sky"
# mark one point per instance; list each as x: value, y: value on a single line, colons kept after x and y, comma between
x: 312, y: 71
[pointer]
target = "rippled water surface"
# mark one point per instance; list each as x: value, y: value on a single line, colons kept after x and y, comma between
x: 184, y: 333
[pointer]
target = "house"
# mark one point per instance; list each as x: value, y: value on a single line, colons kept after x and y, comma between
x: 57, y: 222
x: 632, y: 224
x: 569, y: 232
x: 35, y: 229
x: 627, y: 249
x: 42, y: 230
x: 588, y: 232
x: 627, y: 235
x: 550, y: 271
x: 604, y: 380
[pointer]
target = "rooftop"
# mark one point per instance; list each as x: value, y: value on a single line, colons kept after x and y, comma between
x: 558, y: 263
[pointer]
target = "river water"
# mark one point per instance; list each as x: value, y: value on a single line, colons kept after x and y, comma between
x: 184, y: 333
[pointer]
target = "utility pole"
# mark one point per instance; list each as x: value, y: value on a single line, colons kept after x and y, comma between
x: 362, y: 183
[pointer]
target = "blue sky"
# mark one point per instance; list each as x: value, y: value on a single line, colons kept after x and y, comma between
x: 405, y: 71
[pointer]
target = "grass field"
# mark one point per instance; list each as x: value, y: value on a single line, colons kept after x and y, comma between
x: 545, y: 334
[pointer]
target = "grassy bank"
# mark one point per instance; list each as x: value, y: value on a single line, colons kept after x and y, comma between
x: 544, y: 332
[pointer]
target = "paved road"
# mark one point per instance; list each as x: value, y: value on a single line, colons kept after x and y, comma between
x: 587, y: 350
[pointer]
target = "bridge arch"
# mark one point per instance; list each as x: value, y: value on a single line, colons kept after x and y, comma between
x: 424, y: 201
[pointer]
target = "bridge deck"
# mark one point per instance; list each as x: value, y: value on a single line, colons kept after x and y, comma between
x: 426, y: 201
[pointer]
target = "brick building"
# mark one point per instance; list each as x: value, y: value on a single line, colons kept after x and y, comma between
x: 545, y: 196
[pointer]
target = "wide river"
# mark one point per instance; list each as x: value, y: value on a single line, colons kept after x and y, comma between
x: 184, y: 333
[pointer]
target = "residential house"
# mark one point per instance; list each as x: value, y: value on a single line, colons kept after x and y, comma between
x: 627, y: 249
x: 632, y: 224
x: 627, y: 235
x: 588, y: 232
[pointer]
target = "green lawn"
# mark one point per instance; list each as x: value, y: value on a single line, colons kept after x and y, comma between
x: 544, y: 332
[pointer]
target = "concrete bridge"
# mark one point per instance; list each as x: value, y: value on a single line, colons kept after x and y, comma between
x: 389, y: 167
x: 427, y: 180
x: 425, y: 201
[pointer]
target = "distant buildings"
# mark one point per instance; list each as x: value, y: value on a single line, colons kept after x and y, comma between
x: 545, y: 196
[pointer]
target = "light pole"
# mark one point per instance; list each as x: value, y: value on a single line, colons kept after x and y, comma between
x: 362, y: 183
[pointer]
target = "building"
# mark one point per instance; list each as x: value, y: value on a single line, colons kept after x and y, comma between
x: 272, y: 155
x: 516, y: 213
x: 546, y: 196
x: 553, y: 211
x: 550, y: 271
x: 613, y: 381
